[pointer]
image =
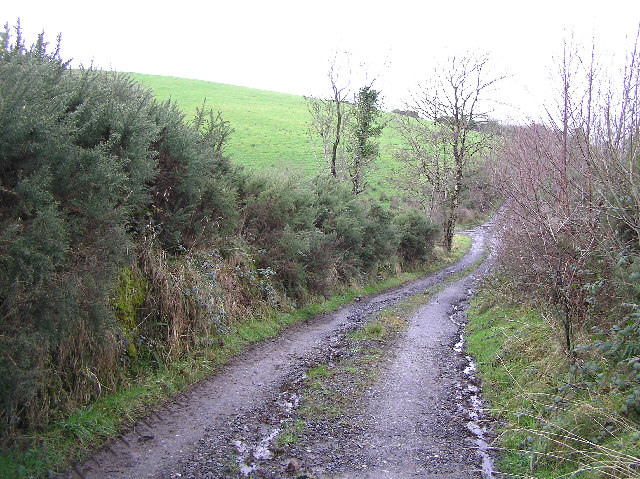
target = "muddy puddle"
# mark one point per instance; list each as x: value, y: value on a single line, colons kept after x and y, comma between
x: 471, y: 406
x: 250, y: 454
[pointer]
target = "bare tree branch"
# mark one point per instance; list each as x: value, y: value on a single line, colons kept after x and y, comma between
x: 452, y: 102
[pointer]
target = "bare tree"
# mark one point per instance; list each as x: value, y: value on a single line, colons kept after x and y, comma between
x: 329, y: 117
x: 565, y: 178
x: 614, y: 146
x: 428, y: 173
x: 347, y: 127
x: 454, y: 102
x: 552, y: 234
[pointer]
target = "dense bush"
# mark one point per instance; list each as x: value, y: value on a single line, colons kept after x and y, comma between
x: 87, y: 159
x: 194, y: 186
x: 314, y: 233
x: 74, y: 164
x: 418, y: 235
x: 127, y: 238
x: 363, y: 236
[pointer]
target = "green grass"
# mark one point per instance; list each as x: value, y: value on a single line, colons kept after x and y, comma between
x: 292, y: 431
x: 69, y: 440
x: 319, y: 371
x: 330, y: 390
x: 551, y: 426
x: 271, y: 129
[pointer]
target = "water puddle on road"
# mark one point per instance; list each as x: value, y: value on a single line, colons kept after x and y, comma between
x: 471, y: 405
x: 251, y: 452
x: 247, y: 455
x: 459, y: 346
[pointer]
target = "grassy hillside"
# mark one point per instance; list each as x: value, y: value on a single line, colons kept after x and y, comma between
x: 271, y: 129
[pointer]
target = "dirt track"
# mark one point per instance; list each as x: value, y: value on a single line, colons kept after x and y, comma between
x: 413, y: 422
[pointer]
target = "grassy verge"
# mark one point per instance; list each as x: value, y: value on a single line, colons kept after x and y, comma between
x: 553, y: 424
x: 69, y: 440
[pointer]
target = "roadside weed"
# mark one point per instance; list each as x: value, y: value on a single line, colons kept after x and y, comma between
x: 551, y: 424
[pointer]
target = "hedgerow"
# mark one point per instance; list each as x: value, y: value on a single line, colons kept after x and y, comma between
x: 128, y: 238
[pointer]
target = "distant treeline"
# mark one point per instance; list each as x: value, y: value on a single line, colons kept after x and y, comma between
x: 413, y: 114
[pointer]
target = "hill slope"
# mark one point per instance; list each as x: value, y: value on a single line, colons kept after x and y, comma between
x: 271, y: 129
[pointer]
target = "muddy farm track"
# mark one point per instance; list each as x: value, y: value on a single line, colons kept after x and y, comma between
x: 419, y: 416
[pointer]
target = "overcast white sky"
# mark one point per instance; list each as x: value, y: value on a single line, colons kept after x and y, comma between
x: 286, y: 46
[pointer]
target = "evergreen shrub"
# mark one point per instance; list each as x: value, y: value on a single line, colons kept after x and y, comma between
x: 128, y: 238
x: 417, y: 236
x: 90, y: 166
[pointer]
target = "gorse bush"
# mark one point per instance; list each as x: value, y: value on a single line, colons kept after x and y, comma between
x: 87, y: 161
x: 194, y: 185
x: 418, y: 235
x: 128, y: 238
x: 314, y: 233
x: 74, y: 165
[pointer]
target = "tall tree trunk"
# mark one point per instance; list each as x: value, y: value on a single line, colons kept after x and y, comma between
x: 334, y: 151
x: 450, y: 219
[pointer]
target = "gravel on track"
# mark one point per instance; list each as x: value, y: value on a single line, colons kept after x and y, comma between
x: 412, y: 422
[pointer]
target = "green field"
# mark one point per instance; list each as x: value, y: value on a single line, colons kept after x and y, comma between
x: 271, y: 129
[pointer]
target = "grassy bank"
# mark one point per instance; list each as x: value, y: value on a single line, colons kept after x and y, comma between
x: 69, y: 440
x: 554, y: 421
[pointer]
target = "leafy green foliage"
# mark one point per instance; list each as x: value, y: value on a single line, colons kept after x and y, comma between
x: 83, y: 155
x: 614, y: 362
x: 314, y: 233
x: 366, y: 131
x: 418, y: 236
x: 129, y: 241
x: 74, y: 163
x: 194, y: 186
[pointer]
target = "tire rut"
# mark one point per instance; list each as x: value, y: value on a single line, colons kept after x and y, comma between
x: 184, y: 430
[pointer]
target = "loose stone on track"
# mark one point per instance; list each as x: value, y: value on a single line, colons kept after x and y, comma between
x: 409, y: 424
